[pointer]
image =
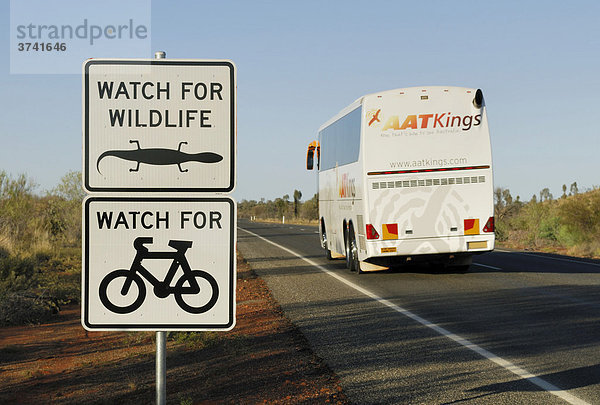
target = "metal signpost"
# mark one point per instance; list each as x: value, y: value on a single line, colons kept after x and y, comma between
x: 159, y: 142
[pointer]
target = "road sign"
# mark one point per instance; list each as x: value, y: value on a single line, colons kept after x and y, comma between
x: 159, y: 263
x: 159, y: 125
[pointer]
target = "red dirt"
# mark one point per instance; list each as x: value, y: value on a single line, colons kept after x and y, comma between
x: 265, y: 359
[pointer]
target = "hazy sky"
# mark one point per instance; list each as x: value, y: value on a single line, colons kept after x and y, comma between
x: 300, y: 62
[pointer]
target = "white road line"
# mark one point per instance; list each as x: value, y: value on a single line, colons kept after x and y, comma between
x: 559, y: 258
x: 547, y: 257
x: 489, y: 267
x: 522, y: 373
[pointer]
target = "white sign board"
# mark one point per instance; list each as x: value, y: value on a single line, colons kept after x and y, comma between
x: 153, y: 263
x: 159, y: 125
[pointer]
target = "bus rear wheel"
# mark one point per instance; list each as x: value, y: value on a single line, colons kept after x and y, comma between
x: 352, y: 261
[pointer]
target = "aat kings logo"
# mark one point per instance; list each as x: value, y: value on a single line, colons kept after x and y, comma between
x: 374, y: 117
x: 347, y: 187
x: 426, y: 121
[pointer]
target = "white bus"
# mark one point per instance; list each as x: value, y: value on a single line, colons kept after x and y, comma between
x: 405, y: 176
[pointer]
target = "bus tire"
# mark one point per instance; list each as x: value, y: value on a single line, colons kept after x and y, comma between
x: 324, y: 242
x: 354, y: 263
x: 347, y: 249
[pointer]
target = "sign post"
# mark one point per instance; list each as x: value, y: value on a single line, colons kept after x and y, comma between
x: 159, y: 152
x: 161, y: 339
x: 161, y: 368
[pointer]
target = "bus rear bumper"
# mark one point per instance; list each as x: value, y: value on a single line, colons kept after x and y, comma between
x: 428, y: 249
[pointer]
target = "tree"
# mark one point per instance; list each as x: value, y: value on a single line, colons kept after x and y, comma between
x: 503, y: 202
x: 281, y: 204
x: 545, y: 195
x: 310, y: 209
x: 62, y: 208
x: 69, y: 187
x: 574, y: 190
x: 507, y: 197
x: 297, y: 198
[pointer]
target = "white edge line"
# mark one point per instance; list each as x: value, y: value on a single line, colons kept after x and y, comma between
x: 520, y: 372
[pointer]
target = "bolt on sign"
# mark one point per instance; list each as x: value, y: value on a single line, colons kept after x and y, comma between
x: 159, y: 125
x: 157, y: 263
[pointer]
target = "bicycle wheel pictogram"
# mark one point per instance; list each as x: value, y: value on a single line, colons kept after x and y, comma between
x: 117, y: 294
x: 191, y: 303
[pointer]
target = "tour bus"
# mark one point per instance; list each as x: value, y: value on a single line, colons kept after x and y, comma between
x: 406, y: 176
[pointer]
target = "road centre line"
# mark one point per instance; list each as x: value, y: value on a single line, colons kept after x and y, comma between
x: 546, y: 257
x: 520, y: 372
x: 488, y: 266
x: 559, y: 258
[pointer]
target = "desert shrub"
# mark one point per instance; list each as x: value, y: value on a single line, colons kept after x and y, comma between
x: 580, y: 223
x: 17, y: 274
x: 35, y: 287
x: 267, y: 209
x: 196, y: 340
x: 580, y: 215
x: 572, y: 222
x: 63, y: 210
x: 18, y: 308
x: 40, y: 253
x: 310, y: 209
x: 18, y: 213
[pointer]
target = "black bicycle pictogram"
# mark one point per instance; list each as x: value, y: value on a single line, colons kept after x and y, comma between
x: 187, y: 285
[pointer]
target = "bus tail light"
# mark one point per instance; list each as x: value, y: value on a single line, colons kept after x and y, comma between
x: 489, y: 225
x: 372, y: 232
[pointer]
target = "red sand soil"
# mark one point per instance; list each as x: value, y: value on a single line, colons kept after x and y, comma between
x: 265, y: 359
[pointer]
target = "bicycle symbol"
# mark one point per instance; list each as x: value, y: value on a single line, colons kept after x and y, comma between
x: 162, y: 289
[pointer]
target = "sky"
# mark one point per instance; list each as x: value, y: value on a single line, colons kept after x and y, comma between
x: 300, y: 62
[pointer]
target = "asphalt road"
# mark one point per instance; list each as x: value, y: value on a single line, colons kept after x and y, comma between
x: 518, y: 328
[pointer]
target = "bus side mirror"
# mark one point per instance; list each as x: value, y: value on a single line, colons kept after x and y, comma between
x: 478, y: 100
x: 310, y: 155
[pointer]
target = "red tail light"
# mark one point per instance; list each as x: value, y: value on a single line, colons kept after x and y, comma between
x: 372, y: 232
x: 489, y: 225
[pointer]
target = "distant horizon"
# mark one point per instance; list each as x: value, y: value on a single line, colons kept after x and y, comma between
x: 581, y: 189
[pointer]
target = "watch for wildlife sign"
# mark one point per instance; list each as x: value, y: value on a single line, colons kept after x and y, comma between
x: 159, y: 125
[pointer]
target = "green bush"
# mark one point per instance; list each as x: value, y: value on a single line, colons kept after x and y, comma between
x: 40, y: 248
x: 17, y: 274
x: 196, y: 340
x: 571, y: 222
x: 20, y: 308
